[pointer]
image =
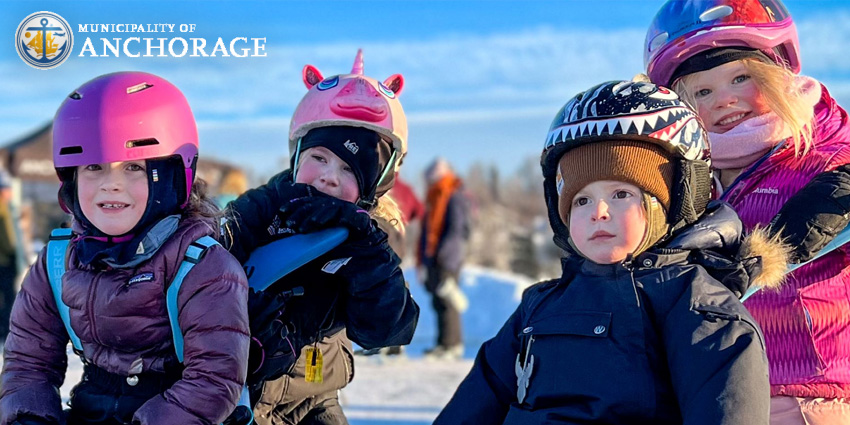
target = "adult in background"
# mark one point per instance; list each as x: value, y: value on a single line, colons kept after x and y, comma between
x: 442, y: 250
x: 8, y: 258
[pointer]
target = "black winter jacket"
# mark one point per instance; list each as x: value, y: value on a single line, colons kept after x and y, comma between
x: 367, y: 296
x: 656, y: 340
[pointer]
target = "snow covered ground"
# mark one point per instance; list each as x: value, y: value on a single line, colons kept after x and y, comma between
x: 410, y: 390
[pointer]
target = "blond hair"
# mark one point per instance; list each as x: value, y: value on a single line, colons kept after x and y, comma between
x: 776, y: 84
x: 387, y: 208
x: 200, y: 204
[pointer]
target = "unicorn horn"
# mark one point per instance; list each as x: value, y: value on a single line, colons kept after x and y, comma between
x: 358, y: 63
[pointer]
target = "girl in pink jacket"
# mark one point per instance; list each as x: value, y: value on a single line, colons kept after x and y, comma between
x: 780, y: 145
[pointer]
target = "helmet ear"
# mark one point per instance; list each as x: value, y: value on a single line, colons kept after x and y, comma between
x: 311, y: 76
x: 395, y: 83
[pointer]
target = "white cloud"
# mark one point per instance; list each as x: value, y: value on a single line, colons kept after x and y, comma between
x: 455, y: 83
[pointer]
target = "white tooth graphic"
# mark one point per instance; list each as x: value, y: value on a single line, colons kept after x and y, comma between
x: 624, y: 124
x: 581, y: 128
x: 652, y: 120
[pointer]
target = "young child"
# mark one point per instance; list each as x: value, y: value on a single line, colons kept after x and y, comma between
x: 125, y: 150
x: 644, y: 325
x: 347, y: 137
x: 780, y: 145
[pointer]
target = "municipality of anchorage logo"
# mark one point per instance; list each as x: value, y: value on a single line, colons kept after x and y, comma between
x: 44, y: 40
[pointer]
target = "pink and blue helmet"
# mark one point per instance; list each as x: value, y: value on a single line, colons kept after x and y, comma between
x: 684, y: 28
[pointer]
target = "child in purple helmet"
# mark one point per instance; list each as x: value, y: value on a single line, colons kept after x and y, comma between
x: 780, y: 147
x: 125, y: 150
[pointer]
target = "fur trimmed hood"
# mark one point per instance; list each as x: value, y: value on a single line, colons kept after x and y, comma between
x: 717, y: 243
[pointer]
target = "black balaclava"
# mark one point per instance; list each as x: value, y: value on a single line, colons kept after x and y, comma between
x: 166, y: 194
x: 362, y: 149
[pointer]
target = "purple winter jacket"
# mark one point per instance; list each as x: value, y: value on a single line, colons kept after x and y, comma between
x: 806, y: 323
x: 120, y: 323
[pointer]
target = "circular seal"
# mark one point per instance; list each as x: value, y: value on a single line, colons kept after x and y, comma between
x: 44, y: 40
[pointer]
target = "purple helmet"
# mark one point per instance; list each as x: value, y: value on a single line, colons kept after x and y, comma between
x: 124, y: 116
x: 683, y: 28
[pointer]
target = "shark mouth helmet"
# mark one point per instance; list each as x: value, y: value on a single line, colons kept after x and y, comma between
x: 635, y: 111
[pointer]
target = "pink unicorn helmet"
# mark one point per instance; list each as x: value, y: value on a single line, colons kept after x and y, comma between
x: 352, y: 100
x: 684, y: 28
x: 124, y: 116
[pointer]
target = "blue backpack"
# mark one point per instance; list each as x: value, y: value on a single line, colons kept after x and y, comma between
x: 57, y: 248
x: 266, y: 265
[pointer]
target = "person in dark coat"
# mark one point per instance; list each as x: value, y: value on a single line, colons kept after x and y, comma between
x: 341, y: 166
x: 136, y: 213
x: 645, y: 324
x: 442, y: 251
x: 8, y: 254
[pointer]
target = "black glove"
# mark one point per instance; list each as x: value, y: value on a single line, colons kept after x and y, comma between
x: 815, y: 215
x: 309, y: 214
x: 32, y: 420
x: 252, y: 219
x: 272, y: 352
x: 240, y: 416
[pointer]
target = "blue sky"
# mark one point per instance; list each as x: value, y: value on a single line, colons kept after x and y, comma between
x: 483, y: 78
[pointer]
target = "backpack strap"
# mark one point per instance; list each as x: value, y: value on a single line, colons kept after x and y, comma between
x: 194, y: 254
x: 57, y: 251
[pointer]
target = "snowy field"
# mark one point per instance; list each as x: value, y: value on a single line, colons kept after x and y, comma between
x: 409, y: 390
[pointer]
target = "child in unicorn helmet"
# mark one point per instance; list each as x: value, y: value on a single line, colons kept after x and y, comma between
x: 125, y: 147
x: 644, y: 326
x: 780, y: 147
x: 347, y: 137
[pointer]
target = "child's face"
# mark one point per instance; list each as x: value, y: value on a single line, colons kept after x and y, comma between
x: 322, y: 169
x: 726, y: 95
x: 113, y: 196
x: 607, y: 221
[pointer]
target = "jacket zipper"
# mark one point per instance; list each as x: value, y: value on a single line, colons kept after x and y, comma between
x: 630, y: 268
x: 90, y: 307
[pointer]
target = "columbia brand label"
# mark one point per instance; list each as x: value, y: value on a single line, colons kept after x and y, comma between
x: 334, y: 265
x: 351, y: 146
x: 767, y: 190
x: 144, y: 277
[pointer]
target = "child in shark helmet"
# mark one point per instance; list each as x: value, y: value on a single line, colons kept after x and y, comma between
x: 644, y: 325
x: 125, y: 150
x: 781, y: 148
x: 347, y: 137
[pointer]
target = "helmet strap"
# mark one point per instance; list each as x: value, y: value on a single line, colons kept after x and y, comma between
x: 390, y: 165
x: 297, y: 155
x: 369, y: 204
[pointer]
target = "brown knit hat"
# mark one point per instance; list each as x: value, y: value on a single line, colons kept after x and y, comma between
x: 642, y: 164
